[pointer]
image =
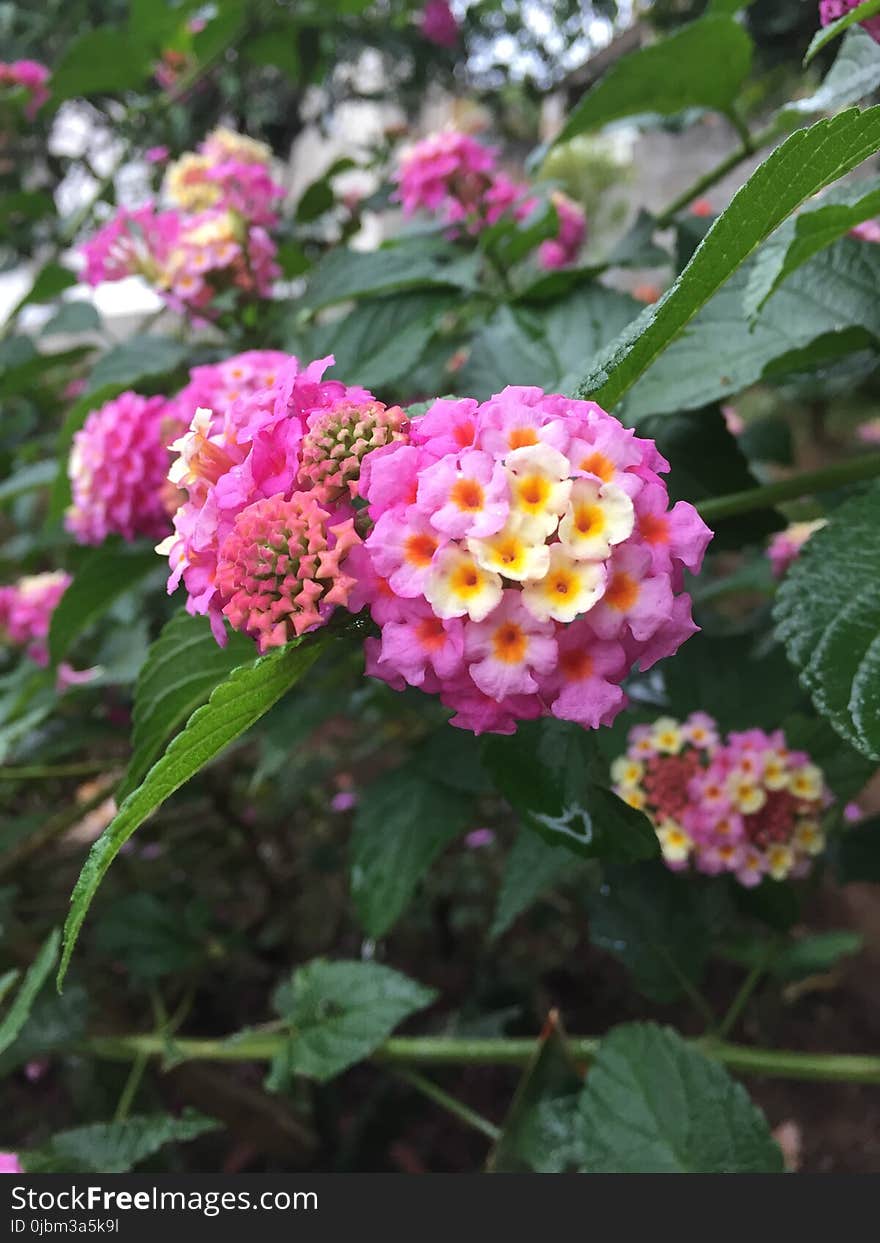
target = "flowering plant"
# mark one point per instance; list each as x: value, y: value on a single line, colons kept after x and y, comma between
x: 448, y: 619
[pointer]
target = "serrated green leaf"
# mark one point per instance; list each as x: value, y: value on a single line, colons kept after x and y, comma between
x: 702, y: 65
x: 814, y: 954
x: 103, y: 576
x: 412, y: 263
x: 531, y: 867
x: 854, y: 75
x: 100, y: 61
x: 545, y: 344
x: 114, y: 1147
x: 242, y: 698
x: 403, y: 821
x: 550, y: 1079
x: 54, y: 1023
x: 828, y: 616
x: 182, y: 668
x: 132, y: 362
x: 654, y: 1105
x: 805, y: 163
x: 544, y: 772
x: 382, y: 339
x: 822, y: 312
x: 868, y: 8
x: 37, y: 973
x: 340, y: 1013
x: 659, y: 925
x: 811, y: 231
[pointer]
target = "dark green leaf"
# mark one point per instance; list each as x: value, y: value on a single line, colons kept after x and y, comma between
x: 702, y: 65
x: 403, y: 822
x: 654, y: 1105
x: 104, y: 575
x: 152, y: 938
x: 114, y: 1147
x: 242, y: 698
x: 142, y: 358
x: 100, y: 61
x: 544, y: 772
x: 813, y: 955
x: 73, y: 421
x: 856, y: 853
x: 37, y: 973
x: 276, y: 47
x: 707, y: 461
x: 658, y: 924
x: 532, y: 866
x: 340, y: 1013
x: 550, y: 1079
x: 854, y: 74
x: 828, y: 615
x: 182, y: 668
x: 721, y: 354
x: 805, y: 163
x: 413, y: 263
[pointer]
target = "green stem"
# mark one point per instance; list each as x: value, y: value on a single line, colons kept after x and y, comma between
x: 500, y: 1051
x: 450, y: 1104
x: 132, y: 1083
x: 33, y: 772
x: 749, y: 145
x: 823, y: 480
x: 738, y: 1004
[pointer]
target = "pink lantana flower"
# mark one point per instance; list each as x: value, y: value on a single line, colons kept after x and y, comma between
x: 831, y: 10
x: 26, y: 609
x: 746, y: 805
x: 563, y: 597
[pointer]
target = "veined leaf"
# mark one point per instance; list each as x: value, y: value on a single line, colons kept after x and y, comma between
x: 242, y: 698
x: 103, y: 576
x: 114, y: 1147
x: 702, y: 65
x: 652, y: 1104
x: 37, y: 973
x: 828, y: 615
x: 804, y: 236
x: 183, y: 666
x: 801, y: 166
x: 340, y: 1012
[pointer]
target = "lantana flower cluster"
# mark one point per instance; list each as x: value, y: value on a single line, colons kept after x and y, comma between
x: 26, y: 609
x: 264, y: 534
x: 30, y: 76
x: 118, y: 466
x: 746, y: 804
x: 211, y: 240
x: 523, y: 559
x: 453, y: 176
x: 519, y: 557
